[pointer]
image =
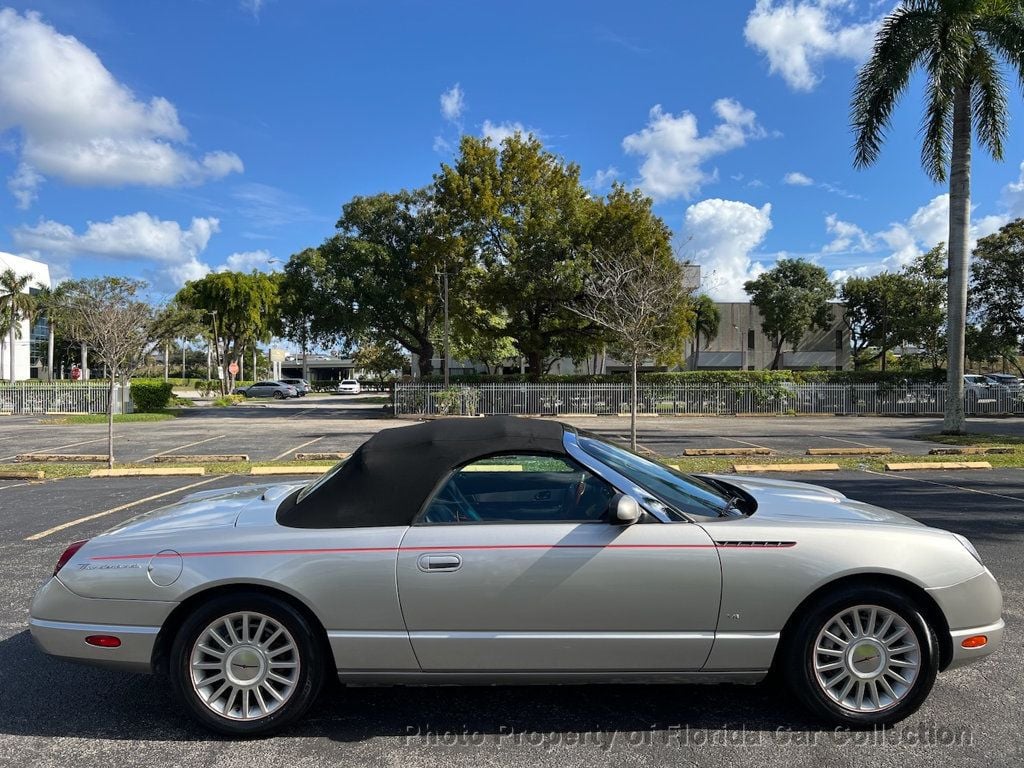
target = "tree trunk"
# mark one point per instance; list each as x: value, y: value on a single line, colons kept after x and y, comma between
x: 85, y: 362
x: 696, y: 352
x: 167, y: 360
x: 49, y: 350
x: 535, y: 362
x: 634, y: 398
x: 110, y: 423
x: 959, y: 224
x: 778, y: 354
x: 425, y: 359
x: 10, y: 342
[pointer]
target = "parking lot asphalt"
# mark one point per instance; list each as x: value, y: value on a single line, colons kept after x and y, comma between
x: 56, y: 713
x: 273, y: 430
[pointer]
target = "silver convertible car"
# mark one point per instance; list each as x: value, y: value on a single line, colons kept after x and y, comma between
x: 508, y: 550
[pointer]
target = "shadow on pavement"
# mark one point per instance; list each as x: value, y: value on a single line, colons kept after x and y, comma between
x: 48, y: 697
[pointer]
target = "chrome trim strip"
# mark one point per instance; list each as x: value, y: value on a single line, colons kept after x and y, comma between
x: 958, y: 634
x: 748, y: 635
x: 72, y: 626
x: 358, y: 634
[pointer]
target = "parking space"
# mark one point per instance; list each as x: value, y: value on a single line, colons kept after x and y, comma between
x: 54, y: 713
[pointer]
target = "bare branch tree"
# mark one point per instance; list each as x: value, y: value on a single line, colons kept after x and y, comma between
x: 642, y: 305
x: 107, y: 314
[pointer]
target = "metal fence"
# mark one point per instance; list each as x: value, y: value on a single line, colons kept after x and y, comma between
x: 697, y: 399
x: 27, y: 397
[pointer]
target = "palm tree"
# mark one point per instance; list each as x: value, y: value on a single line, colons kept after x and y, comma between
x: 45, y: 306
x: 706, y: 319
x: 961, y: 46
x: 15, y: 305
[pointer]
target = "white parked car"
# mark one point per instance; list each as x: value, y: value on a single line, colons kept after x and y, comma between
x: 349, y: 387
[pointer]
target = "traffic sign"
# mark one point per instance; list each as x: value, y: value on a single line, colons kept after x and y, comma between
x: 233, y: 368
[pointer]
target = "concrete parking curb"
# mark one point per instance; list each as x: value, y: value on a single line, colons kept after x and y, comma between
x: 909, y: 465
x: 205, y: 458
x: 148, y: 472
x: 972, y: 450
x: 785, y: 467
x: 727, y: 452
x: 83, y: 457
x: 865, y: 451
x: 21, y: 475
x: 297, y: 470
x: 335, y: 456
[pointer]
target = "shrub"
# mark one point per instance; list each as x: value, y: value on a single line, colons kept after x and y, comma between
x: 151, y: 395
x: 226, y: 400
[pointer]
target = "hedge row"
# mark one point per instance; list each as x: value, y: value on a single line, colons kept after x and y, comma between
x: 151, y: 395
x: 937, y: 376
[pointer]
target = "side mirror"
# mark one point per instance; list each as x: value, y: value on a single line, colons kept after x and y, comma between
x: 624, y: 510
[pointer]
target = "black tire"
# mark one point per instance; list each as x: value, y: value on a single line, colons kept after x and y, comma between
x: 307, y: 685
x: 798, y: 656
x: 278, y: 394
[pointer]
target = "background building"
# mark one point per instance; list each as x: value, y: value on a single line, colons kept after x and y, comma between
x: 30, y: 344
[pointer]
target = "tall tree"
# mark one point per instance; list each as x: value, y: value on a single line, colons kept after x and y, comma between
x: 108, y: 314
x: 997, y: 295
x: 379, y: 359
x: 16, y: 305
x: 959, y: 44
x: 246, y: 307
x: 793, y: 298
x: 528, y: 216
x: 706, y: 319
x: 379, y: 276
x: 639, y: 299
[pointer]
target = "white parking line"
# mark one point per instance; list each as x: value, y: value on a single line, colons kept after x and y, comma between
x: 54, y: 448
x: 15, y: 485
x: 851, y: 442
x: 744, y: 442
x: 180, y: 447
x: 943, y: 485
x: 129, y: 505
x: 293, y: 450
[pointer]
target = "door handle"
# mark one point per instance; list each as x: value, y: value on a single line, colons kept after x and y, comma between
x: 433, y: 563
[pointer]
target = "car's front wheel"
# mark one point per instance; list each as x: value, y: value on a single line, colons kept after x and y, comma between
x: 246, y: 664
x: 862, y: 657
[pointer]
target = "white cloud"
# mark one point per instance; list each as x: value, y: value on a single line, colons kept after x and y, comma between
x: 253, y: 6
x: 674, y: 151
x: 797, y: 36
x: 723, y: 234
x: 453, y: 103
x: 78, y: 123
x: 797, y: 179
x: 172, y: 250
x: 498, y: 132
x: 603, y: 177
x: 846, y: 237
x: 247, y: 261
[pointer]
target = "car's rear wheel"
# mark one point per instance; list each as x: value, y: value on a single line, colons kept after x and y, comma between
x: 246, y: 664
x: 278, y: 395
x: 862, y: 657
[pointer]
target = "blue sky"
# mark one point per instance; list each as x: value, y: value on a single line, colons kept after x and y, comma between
x: 165, y: 139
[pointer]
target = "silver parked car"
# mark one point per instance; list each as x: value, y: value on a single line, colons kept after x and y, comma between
x: 302, y: 387
x: 275, y: 389
x: 505, y: 550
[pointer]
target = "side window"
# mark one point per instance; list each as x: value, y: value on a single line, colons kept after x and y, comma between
x: 520, y: 489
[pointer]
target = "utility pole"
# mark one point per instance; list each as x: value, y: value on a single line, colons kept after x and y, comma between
x: 447, y: 361
x: 885, y: 330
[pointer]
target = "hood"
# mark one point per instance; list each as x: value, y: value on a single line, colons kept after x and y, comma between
x: 205, y: 509
x: 785, y: 500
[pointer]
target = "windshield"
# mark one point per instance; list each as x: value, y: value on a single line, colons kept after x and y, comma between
x: 684, y: 494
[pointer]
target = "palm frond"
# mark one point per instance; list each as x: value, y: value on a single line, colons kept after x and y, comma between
x: 988, y: 102
x: 1005, y: 34
x: 904, y: 36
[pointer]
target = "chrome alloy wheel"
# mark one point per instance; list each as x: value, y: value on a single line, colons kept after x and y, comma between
x: 244, y: 666
x: 866, y: 658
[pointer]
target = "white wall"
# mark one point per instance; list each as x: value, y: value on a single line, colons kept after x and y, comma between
x: 40, y: 274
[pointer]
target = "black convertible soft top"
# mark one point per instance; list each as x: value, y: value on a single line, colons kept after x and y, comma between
x: 389, y: 477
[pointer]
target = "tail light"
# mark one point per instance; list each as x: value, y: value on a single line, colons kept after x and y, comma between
x: 68, y: 554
